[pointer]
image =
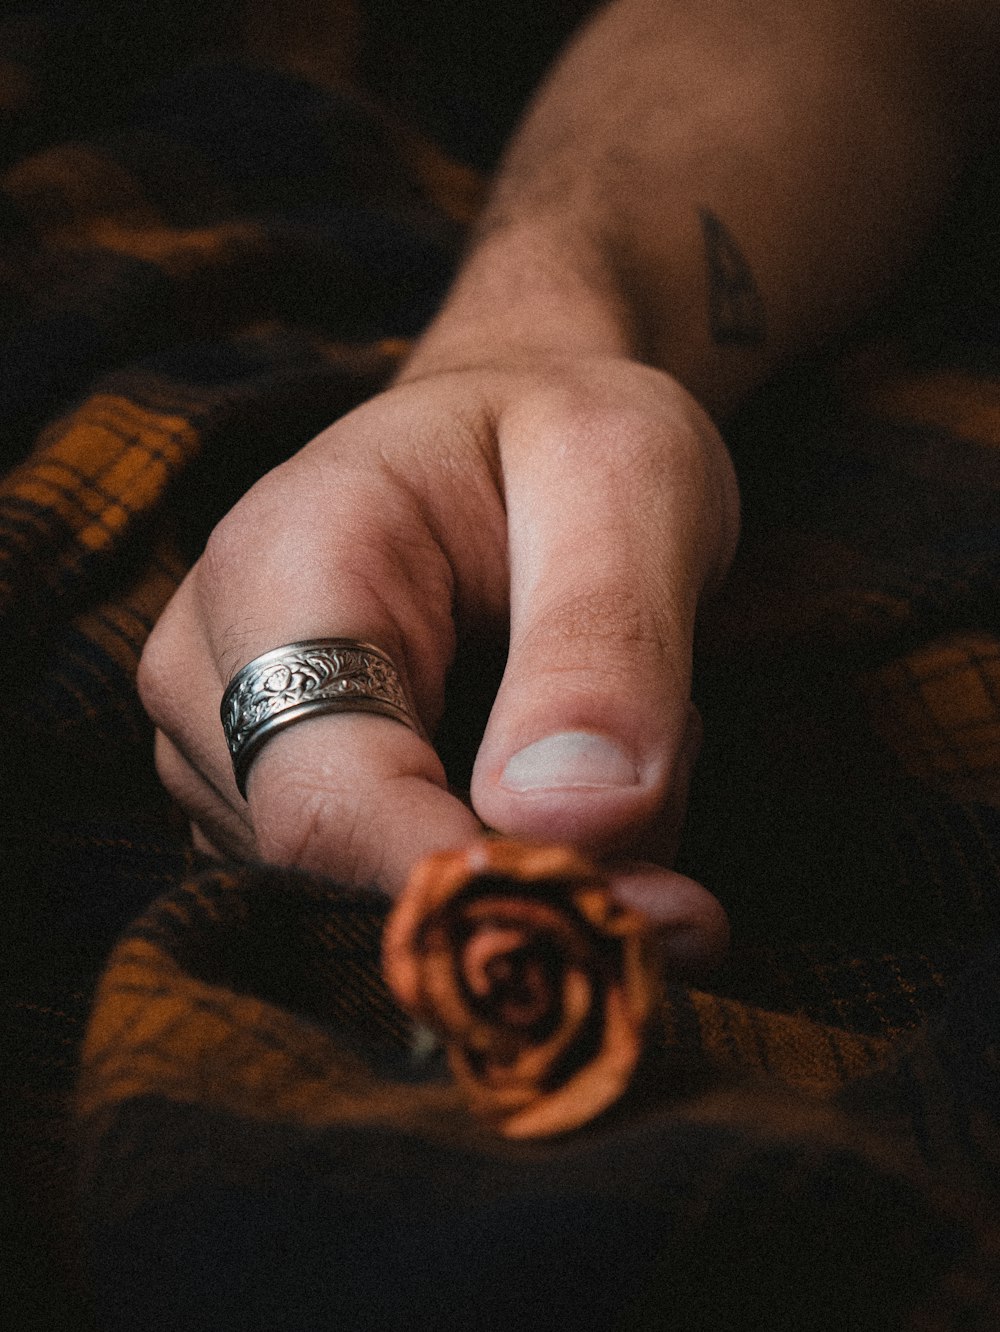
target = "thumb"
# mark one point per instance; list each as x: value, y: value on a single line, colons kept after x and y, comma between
x: 616, y: 519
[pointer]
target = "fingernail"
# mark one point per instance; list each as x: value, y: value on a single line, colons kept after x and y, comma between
x: 569, y: 758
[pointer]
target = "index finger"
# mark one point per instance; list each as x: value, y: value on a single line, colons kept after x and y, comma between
x: 353, y: 795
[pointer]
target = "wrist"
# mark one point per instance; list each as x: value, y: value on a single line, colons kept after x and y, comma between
x: 544, y: 290
x: 528, y: 291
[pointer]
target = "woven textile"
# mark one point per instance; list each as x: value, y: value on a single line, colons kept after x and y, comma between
x: 196, y: 275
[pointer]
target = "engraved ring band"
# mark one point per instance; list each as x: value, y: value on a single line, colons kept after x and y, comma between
x: 302, y: 680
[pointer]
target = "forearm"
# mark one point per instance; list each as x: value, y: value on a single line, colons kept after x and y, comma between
x: 709, y: 185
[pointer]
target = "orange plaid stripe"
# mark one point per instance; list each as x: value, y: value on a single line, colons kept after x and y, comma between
x: 91, y: 477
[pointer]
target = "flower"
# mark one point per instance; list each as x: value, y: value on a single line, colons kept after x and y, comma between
x: 539, y: 982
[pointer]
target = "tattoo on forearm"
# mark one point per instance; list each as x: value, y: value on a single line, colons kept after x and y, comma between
x: 735, y: 309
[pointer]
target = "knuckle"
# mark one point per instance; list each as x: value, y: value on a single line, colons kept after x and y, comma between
x: 634, y: 421
x: 602, y: 615
x: 597, y: 628
x: 271, y: 523
x: 608, y: 639
x: 627, y: 405
x: 228, y: 544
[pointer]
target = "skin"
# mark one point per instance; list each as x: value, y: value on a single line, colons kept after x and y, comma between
x: 699, y: 190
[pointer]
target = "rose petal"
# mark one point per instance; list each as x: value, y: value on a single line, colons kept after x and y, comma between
x: 540, y: 982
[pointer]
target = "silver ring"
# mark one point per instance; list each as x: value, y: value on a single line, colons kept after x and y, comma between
x: 303, y: 680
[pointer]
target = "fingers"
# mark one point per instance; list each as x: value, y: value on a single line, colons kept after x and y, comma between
x: 618, y: 516
x: 619, y: 507
x: 222, y: 826
x: 355, y: 796
x: 202, y: 844
x: 694, y: 924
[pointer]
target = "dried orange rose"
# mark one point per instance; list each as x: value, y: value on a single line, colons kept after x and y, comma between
x: 539, y: 982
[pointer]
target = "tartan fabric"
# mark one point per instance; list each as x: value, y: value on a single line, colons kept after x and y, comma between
x: 194, y: 278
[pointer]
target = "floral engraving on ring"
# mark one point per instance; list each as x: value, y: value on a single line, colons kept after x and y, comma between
x: 305, y: 676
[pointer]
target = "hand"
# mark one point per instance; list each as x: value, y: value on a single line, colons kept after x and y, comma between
x: 588, y: 503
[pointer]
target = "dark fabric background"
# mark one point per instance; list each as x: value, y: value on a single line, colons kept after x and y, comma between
x: 211, y: 245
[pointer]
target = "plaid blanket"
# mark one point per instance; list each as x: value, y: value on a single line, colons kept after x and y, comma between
x: 219, y: 1118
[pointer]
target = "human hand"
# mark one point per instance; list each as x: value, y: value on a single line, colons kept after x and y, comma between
x: 587, y: 502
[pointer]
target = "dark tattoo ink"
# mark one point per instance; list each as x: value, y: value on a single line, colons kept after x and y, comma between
x: 735, y: 309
